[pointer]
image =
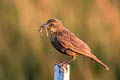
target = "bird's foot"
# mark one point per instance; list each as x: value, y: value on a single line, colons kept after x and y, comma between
x: 62, y: 67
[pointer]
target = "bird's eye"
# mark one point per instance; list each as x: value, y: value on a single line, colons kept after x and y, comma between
x: 51, y: 24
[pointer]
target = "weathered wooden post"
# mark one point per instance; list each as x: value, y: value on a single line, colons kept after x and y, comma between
x: 62, y: 73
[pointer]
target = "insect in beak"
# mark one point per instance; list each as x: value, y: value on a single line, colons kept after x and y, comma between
x: 44, y: 26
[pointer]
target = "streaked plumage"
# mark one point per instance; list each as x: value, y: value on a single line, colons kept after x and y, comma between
x: 67, y: 43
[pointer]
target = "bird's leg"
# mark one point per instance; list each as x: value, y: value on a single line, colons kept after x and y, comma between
x: 69, y: 60
x: 66, y: 61
x: 63, y: 64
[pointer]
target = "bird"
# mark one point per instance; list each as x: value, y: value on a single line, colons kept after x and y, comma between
x: 68, y: 43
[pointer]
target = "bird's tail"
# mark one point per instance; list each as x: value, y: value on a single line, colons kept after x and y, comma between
x: 94, y: 58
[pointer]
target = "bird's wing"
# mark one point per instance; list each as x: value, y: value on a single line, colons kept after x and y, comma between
x: 68, y: 40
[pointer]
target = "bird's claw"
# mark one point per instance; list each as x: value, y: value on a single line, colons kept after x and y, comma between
x: 63, y: 66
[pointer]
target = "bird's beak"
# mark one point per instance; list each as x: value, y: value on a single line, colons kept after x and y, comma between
x: 44, y: 26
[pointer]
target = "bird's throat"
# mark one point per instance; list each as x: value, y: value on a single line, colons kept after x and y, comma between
x: 52, y: 36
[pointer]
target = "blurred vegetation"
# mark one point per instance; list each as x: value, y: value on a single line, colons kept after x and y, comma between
x: 24, y: 55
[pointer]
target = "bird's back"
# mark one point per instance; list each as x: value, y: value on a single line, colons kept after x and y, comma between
x: 69, y: 41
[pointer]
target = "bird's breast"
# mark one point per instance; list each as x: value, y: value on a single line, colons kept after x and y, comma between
x: 56, y: 43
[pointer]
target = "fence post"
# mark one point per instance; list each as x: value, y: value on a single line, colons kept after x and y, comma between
x: 62, y: 73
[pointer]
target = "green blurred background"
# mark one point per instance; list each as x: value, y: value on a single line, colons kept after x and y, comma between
x: 24, y: 55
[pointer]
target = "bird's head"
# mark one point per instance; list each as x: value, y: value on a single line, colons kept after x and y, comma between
x: 52, y: 25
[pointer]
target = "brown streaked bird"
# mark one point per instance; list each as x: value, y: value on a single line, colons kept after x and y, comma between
x: 67, y: 43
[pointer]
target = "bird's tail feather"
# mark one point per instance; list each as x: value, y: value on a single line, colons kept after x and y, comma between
x: 94, y: 58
